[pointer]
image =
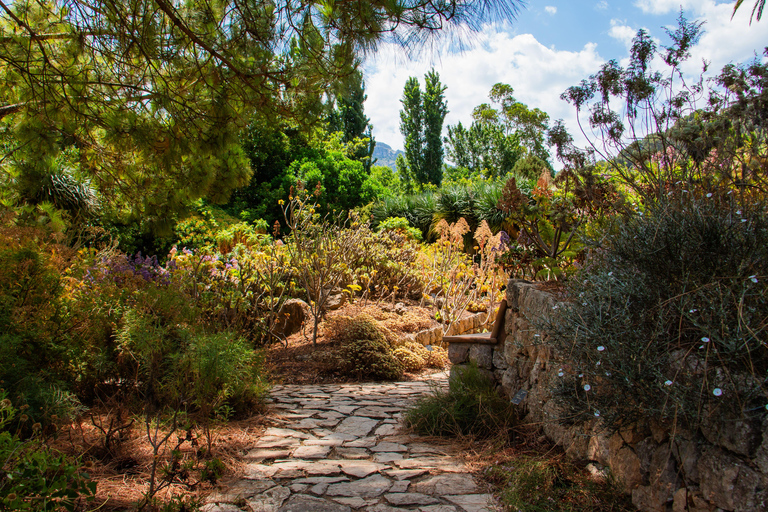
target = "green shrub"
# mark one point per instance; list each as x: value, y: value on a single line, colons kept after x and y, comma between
x: 35, y: 352
x: 400, y: 224
x: 364, y: 350
x: 470, y: 407
x: 33, y: 477
x: 669, y: 319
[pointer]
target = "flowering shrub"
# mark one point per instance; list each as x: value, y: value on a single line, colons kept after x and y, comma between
x: 452, y: 280
x: 668, y: 320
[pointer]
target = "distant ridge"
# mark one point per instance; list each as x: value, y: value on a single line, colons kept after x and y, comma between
x: 384, y: 155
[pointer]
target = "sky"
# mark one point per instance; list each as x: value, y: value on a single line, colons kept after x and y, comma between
x: 552, y: 45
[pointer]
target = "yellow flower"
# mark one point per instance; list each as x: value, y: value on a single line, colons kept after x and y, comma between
x: 281, y: 202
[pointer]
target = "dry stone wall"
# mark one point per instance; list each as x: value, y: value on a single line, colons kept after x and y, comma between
x: 721, y: 467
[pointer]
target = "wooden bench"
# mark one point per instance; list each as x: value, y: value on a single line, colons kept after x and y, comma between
x: 487, y: 338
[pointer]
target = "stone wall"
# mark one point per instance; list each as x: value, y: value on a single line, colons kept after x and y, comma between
x: 721, y: 467
x: 470, y: 322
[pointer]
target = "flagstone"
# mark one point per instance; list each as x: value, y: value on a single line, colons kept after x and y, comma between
x: 305, y: 503
x: 389, y: 447
x: 400, y: 486
x: 363, y: 442
x: 353, y: 453
x: 312, y: 452
x: 440, y: 485
x: 472, y: 502
x: 269, y: 501
x: 369, y: 487
x: 385, y: 457
x: 410, y: 498
x: 276, y: 442
x: 385, y: 430
x: 261, y: 454
x: 356, y: 425
x: 405, y: 474
x: 240, y: 490
x: 285, y: 432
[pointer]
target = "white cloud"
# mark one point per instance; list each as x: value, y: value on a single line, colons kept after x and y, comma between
x: 538, y: 75
x: 551, y: 9
x: 665, y: 6
x: 602, y: 5
x: 622, y: 32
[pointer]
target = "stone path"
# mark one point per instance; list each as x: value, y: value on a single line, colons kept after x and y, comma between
x: 338, y: 448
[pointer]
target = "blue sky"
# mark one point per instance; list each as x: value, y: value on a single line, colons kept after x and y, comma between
x: 552, y: 45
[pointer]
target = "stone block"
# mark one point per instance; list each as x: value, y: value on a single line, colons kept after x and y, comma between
x: 598, y: 449
x: 729, y: 483
x: 740, y: 436
x: 458, y: 353
x: 499, y: 362
x: 689, y: 500
x: 482, y: 355
x: 687, y: 454
x: 625, y: 464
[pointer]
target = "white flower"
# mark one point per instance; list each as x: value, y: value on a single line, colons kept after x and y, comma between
x: 693, y: 310
x: 600, y: 348
x: 753, y: 278
x: 738, y: 212
x: 598, y: 363
x: 597, y: 413
x: 668, y: 383
x: 705, y: 339
x: 560, y: 374
x: 701, y: 347
x: 607, y: 374
x: 587, y: 387
x: 717, y: 392
x: 709, y: 194
x: 610, y: 273
x: 743, y: 220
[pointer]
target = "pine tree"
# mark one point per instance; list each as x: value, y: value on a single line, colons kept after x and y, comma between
x: 150, y: 96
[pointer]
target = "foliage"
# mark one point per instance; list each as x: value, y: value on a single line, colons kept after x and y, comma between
x: 34, y: 345
x: 399, y: 225
x: 382, y: 266
x: 152, y: 95
x: 349, y: 118
x: 474, y: 200
x: 756, y: 10
x: 535, y: 483
x: 471, y: 407
x: 318, y: 251
x: 32, y: 476
x: 341, y: 181
x: 549, y: 215
x: 669, y: 319
x: 364, y: 349
x: 452, y: 281
x: 421, y: 123
x: 661, y: 141
x: 484, y: 148
x: 415, y: 356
